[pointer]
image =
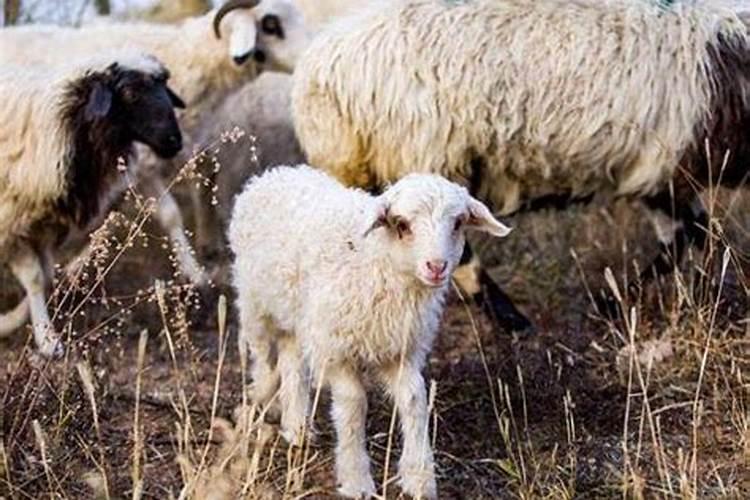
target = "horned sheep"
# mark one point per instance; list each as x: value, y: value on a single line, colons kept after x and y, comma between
x: 207, y: 56
x: 532, y: 103
x: 359, y: 281
x: 65, y: 132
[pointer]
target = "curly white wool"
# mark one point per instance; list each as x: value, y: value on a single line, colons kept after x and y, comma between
x: 551, y: 96
x: 346, y: 281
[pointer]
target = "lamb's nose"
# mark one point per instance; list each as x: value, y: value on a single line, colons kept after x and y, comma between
x: 437, y: 267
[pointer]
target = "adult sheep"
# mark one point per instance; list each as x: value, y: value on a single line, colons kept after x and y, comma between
x: 261, y: 109
x: 208, y: 57
x: 64, y: 133
x: 358, y: 287
x: 532, y: 103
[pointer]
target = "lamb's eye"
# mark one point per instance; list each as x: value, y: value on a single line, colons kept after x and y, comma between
x: 458, y: 224
x: 402, y: 228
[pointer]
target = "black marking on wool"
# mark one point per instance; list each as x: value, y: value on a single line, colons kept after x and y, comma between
x: 98, y: 144
x: 727, y: 127
x: 103, y: 113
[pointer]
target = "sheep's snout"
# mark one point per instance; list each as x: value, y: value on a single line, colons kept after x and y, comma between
x: 240, y: 60
x: 258, y: 55
x: 435, y: 272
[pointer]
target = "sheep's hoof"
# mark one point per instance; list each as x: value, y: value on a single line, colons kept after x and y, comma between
x: 419, y: 486
x: 51, y: 347
x: 357, y: 489
x: 512, y: 322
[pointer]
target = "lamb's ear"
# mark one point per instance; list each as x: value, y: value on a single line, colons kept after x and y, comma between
x: 99, y: 102
x: 481, y: 219
x: 380, y: 220
x: 177, y: 102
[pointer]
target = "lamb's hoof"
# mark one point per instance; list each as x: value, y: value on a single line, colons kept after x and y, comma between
x: 294, y: 436
x: 51, y: 347
x: 357, y: 489
x: 419, y: 485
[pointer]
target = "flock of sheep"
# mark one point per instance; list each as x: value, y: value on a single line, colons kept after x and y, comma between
x: 434, y: 104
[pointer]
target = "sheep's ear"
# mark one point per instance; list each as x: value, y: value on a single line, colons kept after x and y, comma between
x: 99, y: 102
x: 381, y: 219
x: 177, y: 102
x: 481, y: 219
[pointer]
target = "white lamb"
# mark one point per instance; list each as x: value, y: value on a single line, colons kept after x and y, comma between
x: 349, y: 282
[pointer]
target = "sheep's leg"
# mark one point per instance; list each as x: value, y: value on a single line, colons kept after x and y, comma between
x: 256, y: 337
x: 416, y: 468
x: 349, y: 411
x: 15, y: 318
x: 169, y: 216
x: 205, y: 221
x: 294, y: 393
x: 28, y: 267
x: 476, y: 282
x: 677, y: 224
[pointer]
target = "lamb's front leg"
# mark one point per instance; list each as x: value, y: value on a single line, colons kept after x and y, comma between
x: 28, y: 268
x: 349, y: 411
x: 416, y: 467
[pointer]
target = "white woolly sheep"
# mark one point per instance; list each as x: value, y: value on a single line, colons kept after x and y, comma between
x: 65, y: 131
x: 318, y: 13
x: 270, y: 32
x: 337, y: 281
x: 528, y: 103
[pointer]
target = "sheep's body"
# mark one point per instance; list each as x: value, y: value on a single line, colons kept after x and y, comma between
x: 202, y: 74
x: 262, y: 110
x: 605, y: 116
x: 318, y: 13
x: 57, y: 175
x: 345, y: 297
x: 528, y: 101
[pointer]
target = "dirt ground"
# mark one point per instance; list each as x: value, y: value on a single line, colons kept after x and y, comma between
x: 585, y: 409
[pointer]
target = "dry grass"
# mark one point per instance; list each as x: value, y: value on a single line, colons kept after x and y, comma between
x: 150, y: 398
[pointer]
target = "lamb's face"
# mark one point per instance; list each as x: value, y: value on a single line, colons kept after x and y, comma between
x: 425, y: 218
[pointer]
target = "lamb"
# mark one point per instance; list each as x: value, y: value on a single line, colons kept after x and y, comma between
x: 534, y: 103
x: 65, y: 131
x: 358, y: 283
x: 271, y: 33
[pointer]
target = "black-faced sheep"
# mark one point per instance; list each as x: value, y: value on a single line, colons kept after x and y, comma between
x: 208, y: 56
x: 65, y: 133
x: 530, y: 103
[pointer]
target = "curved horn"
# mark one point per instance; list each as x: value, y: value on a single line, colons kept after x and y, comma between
x: 227, y: 8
